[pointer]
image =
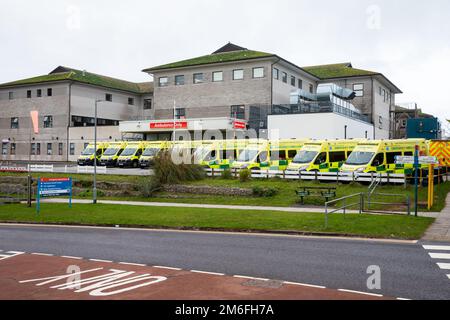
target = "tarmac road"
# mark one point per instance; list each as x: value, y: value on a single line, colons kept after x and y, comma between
x: 408, y: 270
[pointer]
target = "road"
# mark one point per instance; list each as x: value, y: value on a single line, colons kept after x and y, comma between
x: 407, y: 269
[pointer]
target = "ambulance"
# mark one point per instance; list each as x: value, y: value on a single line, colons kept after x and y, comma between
x: 152, y: 149
x: 441, y: 150
x: 221, y: 154
x: 110, y: 156
x: 89, y: 154
x: 322, y: 156
x: 268, y: 155
x: 131, y: 155
x: 378, y: 156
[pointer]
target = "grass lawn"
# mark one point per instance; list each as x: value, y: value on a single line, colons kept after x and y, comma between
x: 377, y: 226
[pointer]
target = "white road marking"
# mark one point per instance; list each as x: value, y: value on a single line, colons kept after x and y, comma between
x: 10, y: 254
x: 42, y: 254
x: 70, y: 257
x: 361, y: 292
x: 403, y: 299
x: 440, y: 255
x: 444, y: 248
x: 133, y: 264
x: 445, y: 266
x: 304, y: 285
x: 100, y: 260
x: 206, y: 272
x: 251, y: 278
x: 169, y: 268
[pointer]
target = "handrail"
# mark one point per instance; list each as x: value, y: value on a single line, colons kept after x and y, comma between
x: 345, y: 206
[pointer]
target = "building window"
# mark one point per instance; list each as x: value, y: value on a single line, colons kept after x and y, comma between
x: 38, y: 149
x: 359, y: 89
x: 238, y: 74
x: 131, y: 101
x: 258, y: 72
x: 198, y: 78
x: 72, y: 149
x: 49, y: 92
x: 13, y: 149
x: 11, y: 95
x: 4, y: 148
x: 217, y: 76
x: 38, y: 93
x: 48, y: 122
x: 284, y: 77
x: 108, y: 97
x: 28, y: 94
x: 300, y: 83
x: 49, y: 149
x: 147, y: 104
x: 60, y: 148
x: 311, y: 88
x: 276, y: 73
x: 179, y: 80
x: 180, y: 113
x: 163, y: 81
x: 293, y: 81
x: 15, y: 123
x: 238, y: 112
x: 33, y: 149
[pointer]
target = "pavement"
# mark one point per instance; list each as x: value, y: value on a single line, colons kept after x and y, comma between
x: 217, y: 206
x: 241, y: 266
x: 440, y: 229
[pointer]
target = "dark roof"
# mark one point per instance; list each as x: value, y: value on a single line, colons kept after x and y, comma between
x: 344, y: 70
x: 62, y: 73
x: 229, y: 47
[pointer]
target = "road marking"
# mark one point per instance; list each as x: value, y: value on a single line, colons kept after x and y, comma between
x: 440, y: 255
x: 70, y: 257
x: 10, y: 254
x: 169, y: 268
x: 100, y: 260
x: 445, y: 266
x: 304, y: 285
x: 206, y: 272
x: 251, y: 278
x: 403, y: 299
x: 444, y: 248
x: 361, y: 292
x: 42, y: 254
x: 133, y: 264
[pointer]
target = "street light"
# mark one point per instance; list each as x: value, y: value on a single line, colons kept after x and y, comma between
x: 94, y: 191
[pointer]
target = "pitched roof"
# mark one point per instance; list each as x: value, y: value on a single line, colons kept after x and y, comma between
x: 228, y: 53
x: 344, y: 70
x: 69, y: 74
x: 337, y: 70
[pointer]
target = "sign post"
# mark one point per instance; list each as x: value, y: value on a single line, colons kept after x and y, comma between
x: 416, y: 179
x: 53, y: 187
x: 430, y: 186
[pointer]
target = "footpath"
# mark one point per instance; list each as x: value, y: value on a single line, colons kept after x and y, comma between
x: 440, y: 229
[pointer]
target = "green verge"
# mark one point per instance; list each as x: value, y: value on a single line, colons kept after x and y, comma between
x: 375, y: 226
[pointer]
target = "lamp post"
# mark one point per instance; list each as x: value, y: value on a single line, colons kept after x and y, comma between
x: 94, y: 190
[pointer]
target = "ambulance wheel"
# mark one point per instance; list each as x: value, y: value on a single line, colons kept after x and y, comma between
x: 135, y: 164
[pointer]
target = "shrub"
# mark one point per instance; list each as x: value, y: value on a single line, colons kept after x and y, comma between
x: 266, y: 192
x: 245, y: 175
x: 167, y: 172
x: 148, y: 187
x: 227, y: 174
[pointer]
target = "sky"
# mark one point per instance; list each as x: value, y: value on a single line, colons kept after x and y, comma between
x: 407, y: 41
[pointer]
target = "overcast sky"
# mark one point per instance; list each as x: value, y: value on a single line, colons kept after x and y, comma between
x: 408, y: 41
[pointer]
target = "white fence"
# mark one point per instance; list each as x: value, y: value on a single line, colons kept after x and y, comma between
x: 317, y: 176
x: 90, y: 169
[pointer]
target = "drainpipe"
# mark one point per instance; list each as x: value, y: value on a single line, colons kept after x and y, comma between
x: 372, y: 109
x: 68, y: 124
x: 271, y: 88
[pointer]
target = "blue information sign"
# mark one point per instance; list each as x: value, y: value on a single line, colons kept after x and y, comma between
x: 53, y: 187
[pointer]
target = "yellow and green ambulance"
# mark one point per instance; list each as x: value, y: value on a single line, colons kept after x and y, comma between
x: 131, y: 155
x: 322, y: 156
x: 152, y: 149
x: 110, y: 156
x: 90, y: 153
x: 221, y: 154
x: 378, y: 156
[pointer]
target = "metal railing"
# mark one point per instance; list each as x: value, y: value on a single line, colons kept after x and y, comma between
x: 407, y: 202
x: 345, y: 206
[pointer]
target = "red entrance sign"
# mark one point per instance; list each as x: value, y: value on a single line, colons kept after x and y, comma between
x: 239, y: 125
x: 169, y: 125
